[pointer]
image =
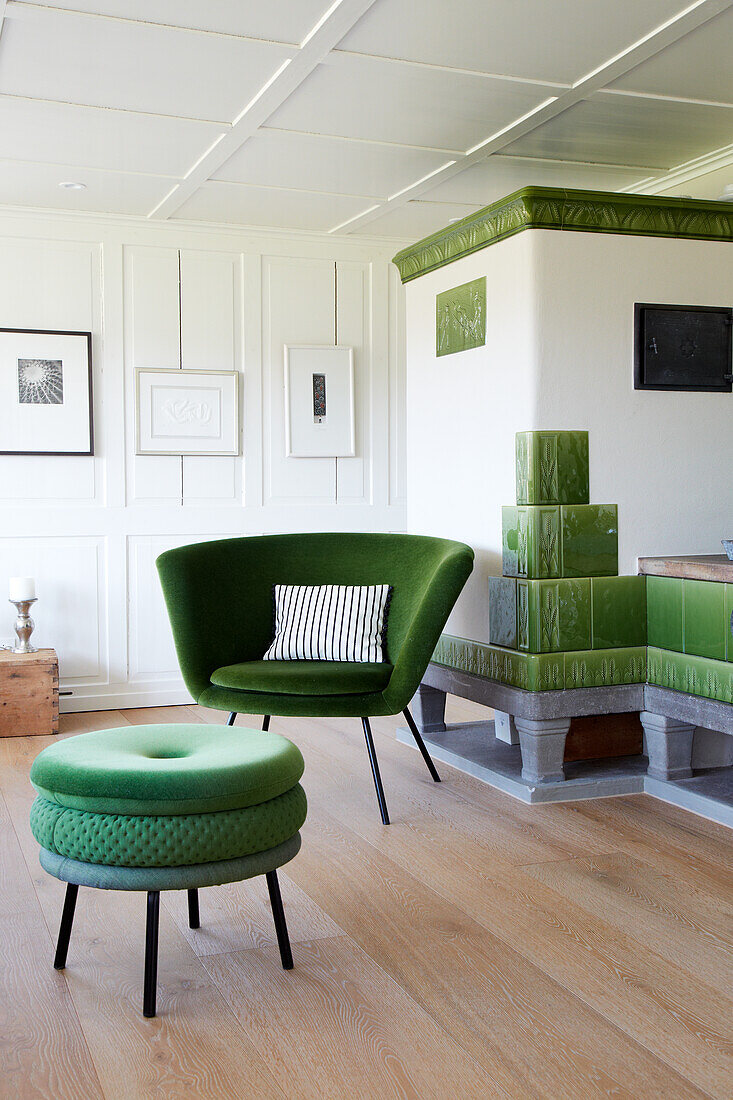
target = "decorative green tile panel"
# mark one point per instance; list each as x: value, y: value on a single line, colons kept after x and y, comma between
x: 664, y: 612
x: 460, y: 318
x: 605, y: 667
x: 503, y: 612
x: 589, y: 540
x: 568, y: 211
x: 729, y: 621
x: 618, y: 613
x: 531, y: 541
x: 686, y: 672
x: 543, y: 671
x: 552, y: 468
x: 704, y: 623
x: 520, y: 670
x: 522, y: 616
x: 558, y: 615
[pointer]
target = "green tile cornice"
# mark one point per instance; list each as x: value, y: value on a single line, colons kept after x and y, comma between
x: 579, y: 211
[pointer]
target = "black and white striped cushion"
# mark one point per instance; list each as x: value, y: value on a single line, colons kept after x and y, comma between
x: 329, y: 622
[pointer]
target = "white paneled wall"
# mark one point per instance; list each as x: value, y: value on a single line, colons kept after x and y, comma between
x: 90, y: 529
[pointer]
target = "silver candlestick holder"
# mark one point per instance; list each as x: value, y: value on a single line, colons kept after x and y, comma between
x: 24, y: 626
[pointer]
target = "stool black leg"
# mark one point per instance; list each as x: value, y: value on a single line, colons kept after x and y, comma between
x: 230, y: 719
x: 151, y: 953
x: 194, y: 920
x: 421, y: 745
x: 276, y: 901
x: 67, y: 919
x: 265, y: 723
x: 375, y: 770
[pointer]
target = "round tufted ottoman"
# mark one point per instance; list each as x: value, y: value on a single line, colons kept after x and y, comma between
x: 167, y: 808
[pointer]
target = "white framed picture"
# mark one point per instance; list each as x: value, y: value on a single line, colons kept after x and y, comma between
x: 45, y: 392
x: 186, y: 412
x: 319, y: 401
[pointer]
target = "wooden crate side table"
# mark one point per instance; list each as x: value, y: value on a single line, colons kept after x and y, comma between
x: 29, y: 693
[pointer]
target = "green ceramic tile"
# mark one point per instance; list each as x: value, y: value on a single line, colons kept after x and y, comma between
x: 531, y: 672
x: 664, y: 612
x: 460, y: 318
x: 531, y: 541
x: 618, y: 612
x: 558, y: 615
x: 503, y: 611
x: 552, y: 468
x: 687, y: 672
x: 703, y: 619
x: 589, y: 540
x: 729, y: 621
x: 605, y: 667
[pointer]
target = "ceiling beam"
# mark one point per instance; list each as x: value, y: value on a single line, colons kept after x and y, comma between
x: 615, y: 67
x: 338, y: 21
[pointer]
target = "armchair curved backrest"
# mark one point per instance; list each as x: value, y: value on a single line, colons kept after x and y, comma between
x: 220, y: 602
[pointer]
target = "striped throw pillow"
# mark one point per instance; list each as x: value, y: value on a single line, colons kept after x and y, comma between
x: 329, y: 622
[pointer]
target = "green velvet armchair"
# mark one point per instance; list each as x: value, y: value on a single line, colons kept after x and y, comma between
x: 219, y: 597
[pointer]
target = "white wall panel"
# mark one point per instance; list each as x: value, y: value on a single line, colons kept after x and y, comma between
x: 211, y: 339
x: 352, y: 329
x: 298, y: 308
x: 70, y: 617
x: 152, y: 339
x: 151, y: 648
x: 48, y: 285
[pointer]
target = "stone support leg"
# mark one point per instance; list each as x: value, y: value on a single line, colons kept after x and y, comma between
x: 505, y: 728
x: 428, y: 709
x: 669, y: 746
x: 543, y: 748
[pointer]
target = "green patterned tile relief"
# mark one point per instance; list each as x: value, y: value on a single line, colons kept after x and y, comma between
x: 543, y: 671
x: 704, y: 624
x: 618, y: 613
x: 729, y: 620
x: 460, y: 318
x: 522, y: 616
x: 605, y: 667
x: 503, y: 612
x: 531, y: 541
x: 552, y: 467
x: 695, y: 675
x: 664, y: 612
x: 589, y: 540
x: 569, y: 211
x: 558, y: 615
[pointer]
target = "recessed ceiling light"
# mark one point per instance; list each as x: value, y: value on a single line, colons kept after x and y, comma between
x: 71, y: 186
x: 727, y: 195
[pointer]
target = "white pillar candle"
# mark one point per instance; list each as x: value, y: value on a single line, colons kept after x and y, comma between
x: 22, y: 588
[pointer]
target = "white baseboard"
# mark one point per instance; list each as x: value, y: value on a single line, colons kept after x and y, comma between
x: 123, y: 697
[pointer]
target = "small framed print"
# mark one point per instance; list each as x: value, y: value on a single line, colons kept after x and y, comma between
x: 45, y: 392
x: 319, y: 401
x: 186, y: 412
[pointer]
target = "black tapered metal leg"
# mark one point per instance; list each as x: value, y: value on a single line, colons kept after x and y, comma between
x: 67, y: 919
x: 194, y: 920
x: 375, y: 771
x: 421, y: 745
x: 230, y: 719
x: 151, y: 953
x: 281, y: 928
x: 265, y: 723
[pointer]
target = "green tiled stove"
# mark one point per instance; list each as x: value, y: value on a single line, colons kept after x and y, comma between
x: 568, y: 638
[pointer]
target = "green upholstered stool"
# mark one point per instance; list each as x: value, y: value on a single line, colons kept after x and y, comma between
x: 167, y: 808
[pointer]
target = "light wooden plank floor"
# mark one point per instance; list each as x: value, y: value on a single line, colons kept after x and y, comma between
x: 475, y: 948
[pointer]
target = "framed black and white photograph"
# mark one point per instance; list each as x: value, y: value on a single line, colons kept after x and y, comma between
x: 187, y: 412
x: 45, y: 392
x: 319, y: 401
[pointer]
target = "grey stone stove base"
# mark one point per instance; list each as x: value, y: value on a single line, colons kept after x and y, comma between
x: 533, y: 770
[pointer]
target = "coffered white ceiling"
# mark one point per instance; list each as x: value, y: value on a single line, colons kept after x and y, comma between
x: 366, y: 117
